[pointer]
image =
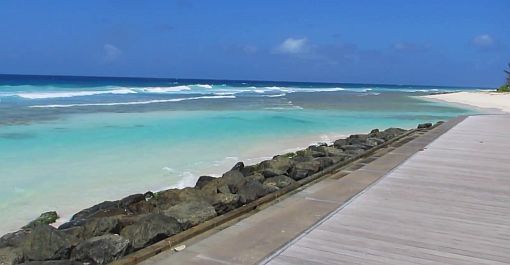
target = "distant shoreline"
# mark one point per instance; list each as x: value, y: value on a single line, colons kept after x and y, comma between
x: 491, y: 102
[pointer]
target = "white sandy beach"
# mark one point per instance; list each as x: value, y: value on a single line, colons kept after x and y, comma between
x: 488, y: 100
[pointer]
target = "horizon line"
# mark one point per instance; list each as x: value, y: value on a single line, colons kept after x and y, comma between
x: 238, y: 80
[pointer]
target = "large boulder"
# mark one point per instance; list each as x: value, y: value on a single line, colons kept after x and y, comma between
x: 305, y: 169
x: 100, y: 226
x: 250, y: 170
x: 271, y: 172
x: 257, y: 177
x: 225, y: 202
x: 424, y: 125
x: 280, y: 163
x: 373, y: 141
x: 338, y: 143
x: 390, y: 133
x: 168, y: 198
x: 203, y: 180
x: 234, y: 179
x: 10, y: 256
x: 191, y: 213
x: 239, y: 166
x: 309, y: 152
x: 329, y: 151
x: 354, y: 147
x: 150, y: 229
x: 126, y: 202
x: 45, y: 218
x: 357, y: 138
x: 14, y: 239
x: 101, y: 249
x: 328, y: 161
x: 106, y: 208
x: 280, y: 181
x: 44, y: 242
x: 251, y: 191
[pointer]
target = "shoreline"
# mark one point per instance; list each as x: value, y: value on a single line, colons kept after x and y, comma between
x: 254, y: 156
x: 484, y: 101
x: 140, y: 220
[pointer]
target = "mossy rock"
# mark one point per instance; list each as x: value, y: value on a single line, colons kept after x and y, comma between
x: 45, y: 219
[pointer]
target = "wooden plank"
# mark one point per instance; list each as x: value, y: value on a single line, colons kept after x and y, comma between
x: 448, y: 204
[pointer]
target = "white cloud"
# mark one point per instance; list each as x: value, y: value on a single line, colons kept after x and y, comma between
x: 293, y: 46
x: 111, y: 53
x: 484, y: 41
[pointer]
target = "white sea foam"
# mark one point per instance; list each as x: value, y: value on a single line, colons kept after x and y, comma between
x: 165, y: 89
x: 128, y: 103
x: 204, y: 86
x: 276, y: 96
x: 69, y: 94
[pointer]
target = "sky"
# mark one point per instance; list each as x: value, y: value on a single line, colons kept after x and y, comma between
x: 433, y: 42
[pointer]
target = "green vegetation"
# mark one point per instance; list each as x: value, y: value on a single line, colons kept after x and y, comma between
x: 506, y: 86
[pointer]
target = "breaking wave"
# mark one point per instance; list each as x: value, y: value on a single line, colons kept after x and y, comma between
x: 128, y: 103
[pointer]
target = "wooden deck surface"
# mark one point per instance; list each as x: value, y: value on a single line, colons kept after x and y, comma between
x: 447, y: 204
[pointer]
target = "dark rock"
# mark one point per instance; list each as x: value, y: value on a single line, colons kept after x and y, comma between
x: 150, y: 229
x: 271, y: 172
x: 14, y: 239
x: 45, y: 218
x: 257, y: 177
x: 305, y: 169
x: 249, y: 170
x: 10, y: 256
x: 357, y: 139
x: 44, y: 242
x: 141, y: 207
x: 424, y: 125
x: 148, y: 195
x: 300, y: 159
x: 239, y: 166
x: 131, y: 199
x: 95, y: 210
x: 372, y: 141
x: 339, y: 143
x: 391, y: 133
x: 191, y: 213
x: 309, y: 152
x: 203, y: 180
x: 330, y: 151
x: 234, y: 179
x: 279, y: 163
x: 328, y: 161
x: 353, y: 147
x: 101, y: 250
x: 373, y: 132
x: 100, y: 226
x: 72, y: 223
x: 74, y: 234
x: 279, y: 181
x: 251, y: 191
x: 169, y: 198
x: 225, y: 202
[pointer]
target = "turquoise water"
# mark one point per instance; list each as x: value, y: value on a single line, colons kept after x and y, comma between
x: 65, y: 148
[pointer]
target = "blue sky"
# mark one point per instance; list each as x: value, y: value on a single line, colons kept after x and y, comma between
x: 434, y: 42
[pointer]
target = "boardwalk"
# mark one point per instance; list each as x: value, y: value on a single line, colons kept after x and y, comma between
x: 448, y: 204
x: 442, y: 198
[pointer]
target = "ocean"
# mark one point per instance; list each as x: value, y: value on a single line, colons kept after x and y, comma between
x: 67, y: 143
